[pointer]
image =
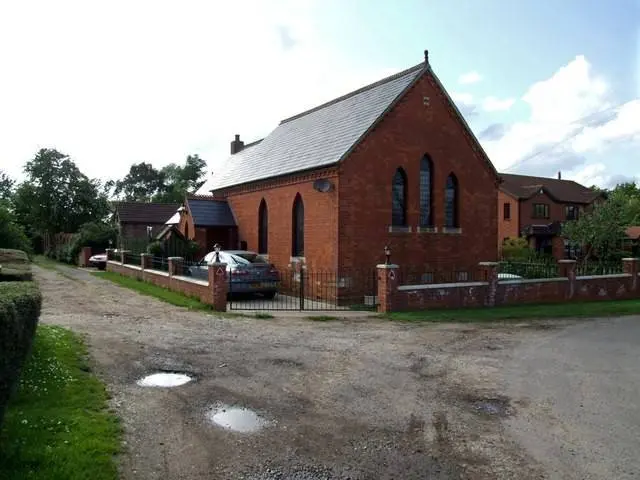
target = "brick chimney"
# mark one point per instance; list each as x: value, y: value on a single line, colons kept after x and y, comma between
x: 237, y: 145
x: 559, y: 173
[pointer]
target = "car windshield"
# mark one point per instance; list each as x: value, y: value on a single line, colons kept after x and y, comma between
x: 250, y: 257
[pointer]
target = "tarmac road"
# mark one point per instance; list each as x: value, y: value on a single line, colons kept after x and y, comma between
x: 583, y: 385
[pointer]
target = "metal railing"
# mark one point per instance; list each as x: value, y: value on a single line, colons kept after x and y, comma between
x: 435, y: 274
x: 529, y: 269
x: 598, y: 268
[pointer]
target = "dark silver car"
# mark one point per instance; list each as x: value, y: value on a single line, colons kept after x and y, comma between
x: 248, y: 272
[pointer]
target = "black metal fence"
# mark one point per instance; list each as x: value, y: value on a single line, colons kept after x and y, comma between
x: 307, y: 290
x: 427, y: 274
x: 599, y: 268
x: 529, y: 269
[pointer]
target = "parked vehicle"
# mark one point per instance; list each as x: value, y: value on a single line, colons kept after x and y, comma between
x: 508, y: 276
x: 99, y: 261
x: 248, y: 272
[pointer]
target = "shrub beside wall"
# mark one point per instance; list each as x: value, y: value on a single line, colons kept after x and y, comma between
x: 14, y: 265
x: 20, y: 304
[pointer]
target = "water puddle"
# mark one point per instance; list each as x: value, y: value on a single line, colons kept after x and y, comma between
x: 237, y: 419
x: 492, y: 406
x: 164, y: 379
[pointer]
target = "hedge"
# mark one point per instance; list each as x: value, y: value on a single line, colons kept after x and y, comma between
x: 14, y: 265
x: 20, y: 304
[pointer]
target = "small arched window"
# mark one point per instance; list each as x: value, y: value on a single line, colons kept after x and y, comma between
x: 399, y: 199
x: 426, y: 192
x: 263, y: 228
x: 297, y: 224
x: 451, y: 219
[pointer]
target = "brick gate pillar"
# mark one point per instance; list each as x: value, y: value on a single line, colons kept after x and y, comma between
x: 387, y: 287
x: 630, y: 266
x: 218, y: 284
x: 489, y: 273
x: 145, y: 260
x: 567, y: 269
x: 175, y: 266
x: 123, y: 255
x: 85, y: 255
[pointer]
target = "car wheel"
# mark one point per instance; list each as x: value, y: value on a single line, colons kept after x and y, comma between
x: 270, y: 295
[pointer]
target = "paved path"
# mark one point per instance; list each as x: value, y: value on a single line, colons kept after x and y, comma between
x: 583, y: 390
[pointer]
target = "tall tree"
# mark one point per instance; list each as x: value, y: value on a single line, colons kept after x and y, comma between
x: 6, y: 186
x: 56, y: 196
x: 141, y: 184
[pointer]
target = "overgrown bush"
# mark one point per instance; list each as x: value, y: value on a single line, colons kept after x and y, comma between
x: 20, y: 304
x: 12, y: 235
x: 156, y: 249
x: 14, y: 265
x: 516, y: 249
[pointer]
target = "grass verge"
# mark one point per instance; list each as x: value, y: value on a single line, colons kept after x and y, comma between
x: 57, y: 426
x: 45, y: 262
x: 523, y: 312
x: 174, y: 298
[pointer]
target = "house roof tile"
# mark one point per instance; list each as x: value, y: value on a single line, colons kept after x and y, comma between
x: 316, y: 138
x: 568, y: 191
x: 142, y: 212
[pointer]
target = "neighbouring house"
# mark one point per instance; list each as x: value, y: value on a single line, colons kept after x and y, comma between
x: 134, y: 218
x: 391, y: 164
x: 208, y: 221
x: 631, y: 242
x: 536, y: 207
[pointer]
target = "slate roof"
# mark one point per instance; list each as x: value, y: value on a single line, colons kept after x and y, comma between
x: 566, y: 191
x: 141, y: 212
x: 316, y: 138
x: 208, y: 212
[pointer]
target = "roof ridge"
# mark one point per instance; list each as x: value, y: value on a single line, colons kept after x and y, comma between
x: 355, y: 92
x: 133, y: 202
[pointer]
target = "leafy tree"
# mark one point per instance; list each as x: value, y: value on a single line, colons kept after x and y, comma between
x: 57, y: 196
x: 6, y: 186
x: 141, y: 184
x: 516, y: 249
x: 600, y: 230
x: 12, y: 234
x: 170, y: 184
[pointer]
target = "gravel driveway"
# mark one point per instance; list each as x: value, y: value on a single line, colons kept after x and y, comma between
x: 359, y: 399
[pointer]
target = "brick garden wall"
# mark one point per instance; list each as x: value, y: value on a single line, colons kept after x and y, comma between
x: 567, y: 288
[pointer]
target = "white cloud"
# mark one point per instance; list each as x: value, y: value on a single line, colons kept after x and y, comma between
x: 153, y: 81
x: 572, y: 117
x: 493, y: 104
x: 469, y: 78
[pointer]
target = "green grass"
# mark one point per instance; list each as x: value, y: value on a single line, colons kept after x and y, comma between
x: 263, y: 316
x: 46, y: 262
x: 57, y: 426
x: 174, y: 298
x: 523, y: 312
x: 322, y: 318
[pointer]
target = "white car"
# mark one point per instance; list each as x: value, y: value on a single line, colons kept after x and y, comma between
x: 508, y: 276
x: 99, y: 261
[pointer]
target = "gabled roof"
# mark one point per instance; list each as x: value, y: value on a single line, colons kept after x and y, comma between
x: 209, y: 212
x: 523, y: 187
x: 169, y: 228
x: 318, y: 137
x: 141, y: 212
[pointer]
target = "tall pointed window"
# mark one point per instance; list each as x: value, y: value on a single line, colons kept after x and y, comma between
x: 451, y: 219
x: 297, y: 240
x: 399, y: 199
x: 426, y: 192
x: 263, y: 228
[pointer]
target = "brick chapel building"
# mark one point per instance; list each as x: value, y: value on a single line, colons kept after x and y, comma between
x: 391, y: 164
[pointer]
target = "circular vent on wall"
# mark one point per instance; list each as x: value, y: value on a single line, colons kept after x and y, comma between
x: 322, y: 185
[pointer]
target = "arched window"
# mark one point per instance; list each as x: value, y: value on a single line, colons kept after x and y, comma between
x: 399, y: 199
x: 263, y: 228
x: 426, y: 192
x: 297, y: 224
x: 451, y: 219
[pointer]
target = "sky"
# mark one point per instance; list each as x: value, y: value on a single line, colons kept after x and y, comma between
x: 546, y: 86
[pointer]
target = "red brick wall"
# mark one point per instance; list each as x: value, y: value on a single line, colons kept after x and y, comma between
x: 556, y: 210
x: 606, y: 287
x: 408, y: 131
x: 507, y: 228
x: 320, y: 221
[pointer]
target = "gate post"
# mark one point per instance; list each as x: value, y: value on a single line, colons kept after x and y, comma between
x: 567, y: 268
x: 630, y: 266
x: 489, y: 274
x: 218, y: 284
x: 387, y: 287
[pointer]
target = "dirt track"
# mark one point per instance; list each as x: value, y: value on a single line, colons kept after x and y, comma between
x: 359, y: 399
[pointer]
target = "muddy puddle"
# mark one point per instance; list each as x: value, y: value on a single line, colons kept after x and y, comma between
x: 164, y: 379
x: 236, y: 419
